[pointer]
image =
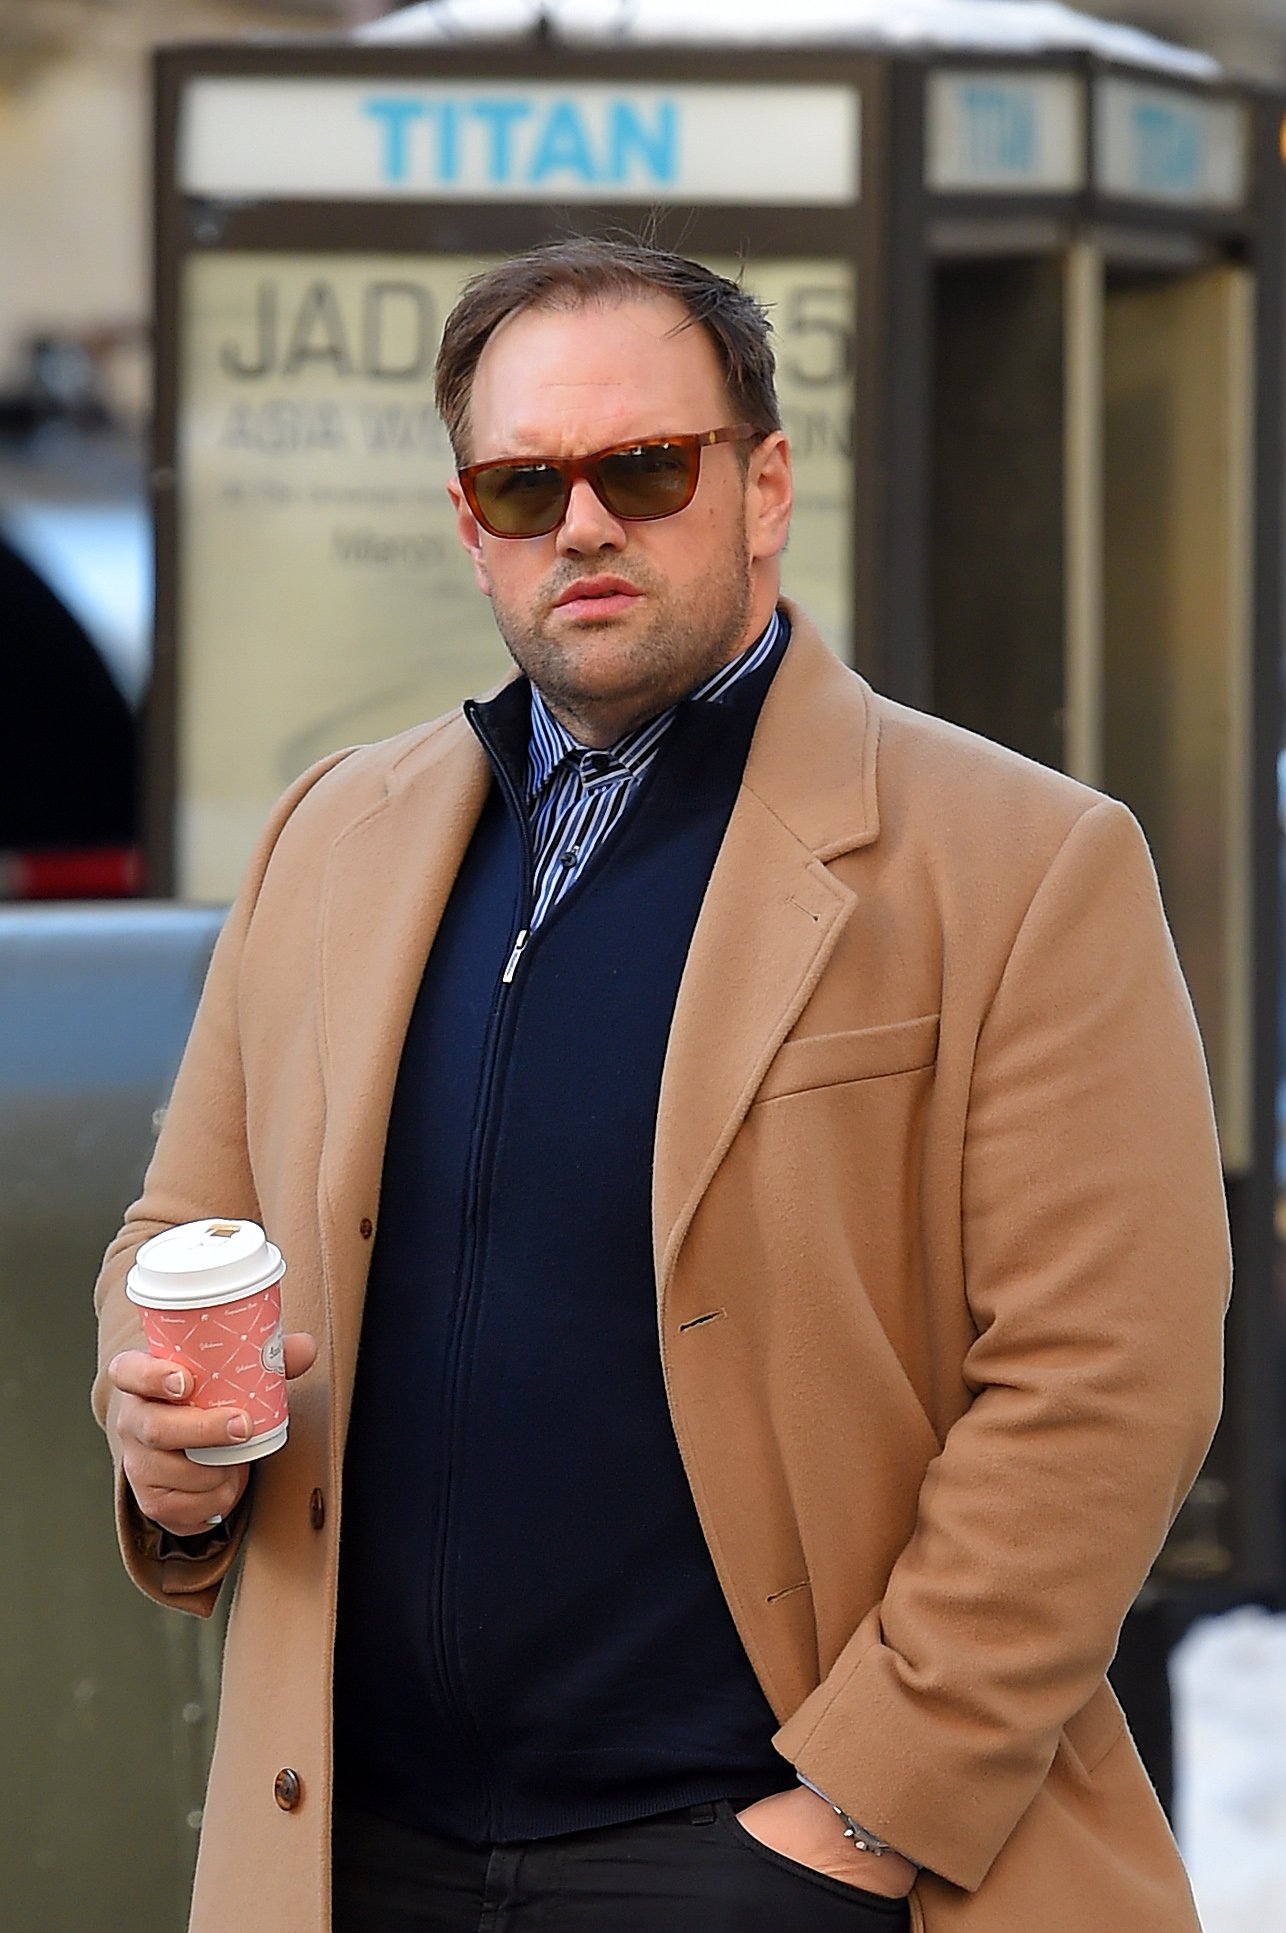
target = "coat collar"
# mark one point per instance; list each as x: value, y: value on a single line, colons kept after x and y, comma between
x: 813, y: 759
x: 814, y: 756
x: 771, y: 916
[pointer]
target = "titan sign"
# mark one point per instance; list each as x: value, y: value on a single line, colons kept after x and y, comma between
x: 500, y: 140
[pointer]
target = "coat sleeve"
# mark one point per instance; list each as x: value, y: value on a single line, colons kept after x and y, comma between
x: 201, y: 1166
x: 1096, y: 1265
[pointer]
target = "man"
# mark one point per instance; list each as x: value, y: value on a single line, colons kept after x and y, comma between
x: 685, y: 982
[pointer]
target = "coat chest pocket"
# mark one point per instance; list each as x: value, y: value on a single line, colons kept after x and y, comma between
x: 868, y: 1053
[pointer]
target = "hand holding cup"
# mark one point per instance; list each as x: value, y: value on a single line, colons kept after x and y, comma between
x: 158, y: 1424
x: 210, y: 1395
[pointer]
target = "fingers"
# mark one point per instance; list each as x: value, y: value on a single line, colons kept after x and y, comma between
x: 173, y: 1491
x: 171, y: 1425
x: 301, y: 1353
x: 137, y: 1374
x: 181, y: 1496
x: 156, y: 1423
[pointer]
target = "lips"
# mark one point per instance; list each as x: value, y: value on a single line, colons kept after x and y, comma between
x: 598, y: 597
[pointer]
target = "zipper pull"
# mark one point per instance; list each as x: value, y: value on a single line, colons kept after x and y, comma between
x: 506, y: 978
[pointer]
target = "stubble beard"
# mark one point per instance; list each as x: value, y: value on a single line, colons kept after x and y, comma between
x: 679, y: 648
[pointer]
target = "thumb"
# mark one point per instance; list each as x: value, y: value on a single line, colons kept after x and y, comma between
x: 300, y: 1352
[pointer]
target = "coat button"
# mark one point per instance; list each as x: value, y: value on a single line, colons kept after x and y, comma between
x: 366, y: 1228
x: 287, y: 1789
x: 317, y: 1510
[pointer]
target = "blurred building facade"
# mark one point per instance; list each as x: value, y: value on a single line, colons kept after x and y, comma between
x: 74, y: 160
x: 1248, y: 36
x: 74, y: 164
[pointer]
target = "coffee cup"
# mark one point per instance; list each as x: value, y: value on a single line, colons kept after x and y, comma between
x: 210, y: 1297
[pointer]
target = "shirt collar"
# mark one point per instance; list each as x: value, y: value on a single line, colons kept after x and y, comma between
x: 551, y: 742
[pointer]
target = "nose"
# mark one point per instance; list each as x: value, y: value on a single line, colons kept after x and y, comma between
x: 589, y: 525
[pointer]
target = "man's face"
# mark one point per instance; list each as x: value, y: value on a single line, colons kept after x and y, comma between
x: 615, y: 620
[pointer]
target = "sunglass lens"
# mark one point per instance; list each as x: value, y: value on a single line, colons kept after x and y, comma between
x: 653, y: 481
x: 521, y: 500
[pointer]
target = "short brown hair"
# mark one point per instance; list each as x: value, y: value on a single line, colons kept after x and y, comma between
x: 582, y: 270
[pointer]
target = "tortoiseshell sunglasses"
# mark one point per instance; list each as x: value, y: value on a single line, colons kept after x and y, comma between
x: 651, y: 477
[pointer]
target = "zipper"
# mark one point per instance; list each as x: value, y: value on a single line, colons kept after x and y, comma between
x: 497, y: 1033
x: 506, y: 978
x: 443, y: 1636
x: 518, y: 810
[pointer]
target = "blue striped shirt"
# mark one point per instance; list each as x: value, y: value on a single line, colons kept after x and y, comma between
x: 577, y: 796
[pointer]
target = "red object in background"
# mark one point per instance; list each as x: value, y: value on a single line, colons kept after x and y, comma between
x: 90, y: 872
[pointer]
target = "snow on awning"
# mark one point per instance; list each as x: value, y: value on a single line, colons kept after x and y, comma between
x: 996, y: 26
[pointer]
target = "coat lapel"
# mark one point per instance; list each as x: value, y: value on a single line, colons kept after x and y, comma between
x: 770, y: 921
x: 388, y: 880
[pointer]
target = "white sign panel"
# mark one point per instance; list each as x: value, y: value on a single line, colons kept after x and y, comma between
x: 1156, y: 144
x: 813, y: 305
x: 1005, y: 133
x: 503, y: 141
x: 324, y: 596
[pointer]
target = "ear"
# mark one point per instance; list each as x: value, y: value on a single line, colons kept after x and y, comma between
x: 769, y: 496
x: 469, y: 531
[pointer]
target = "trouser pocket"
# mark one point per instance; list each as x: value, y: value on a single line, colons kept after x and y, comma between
x: 823, y: 1894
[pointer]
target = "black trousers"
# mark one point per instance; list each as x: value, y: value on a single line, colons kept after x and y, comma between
x: 693, y: 1871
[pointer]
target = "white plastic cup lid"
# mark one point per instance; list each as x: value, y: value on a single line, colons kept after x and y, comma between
x: 200, y: 1264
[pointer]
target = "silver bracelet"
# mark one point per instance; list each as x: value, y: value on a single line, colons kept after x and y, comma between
x: 862, y: 1840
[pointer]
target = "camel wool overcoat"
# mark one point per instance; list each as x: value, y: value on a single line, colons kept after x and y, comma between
x: 941, y: 1265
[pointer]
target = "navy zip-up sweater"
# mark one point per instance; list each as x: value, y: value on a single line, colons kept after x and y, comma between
x: 532, y: 1638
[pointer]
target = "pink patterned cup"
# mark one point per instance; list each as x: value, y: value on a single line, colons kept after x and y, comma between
x: 210, y: 1296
